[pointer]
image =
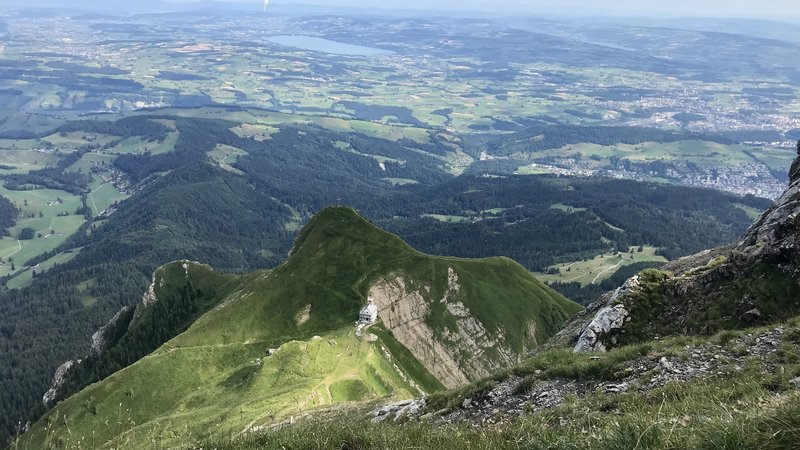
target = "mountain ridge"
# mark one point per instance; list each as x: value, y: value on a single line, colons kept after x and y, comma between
x: 256, y: 339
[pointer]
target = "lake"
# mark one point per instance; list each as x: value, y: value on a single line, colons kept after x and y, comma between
x: 326, y: 45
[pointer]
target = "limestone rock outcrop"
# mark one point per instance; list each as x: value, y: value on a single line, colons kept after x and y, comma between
x: 58, y: 380
x: 454, y: 356
x: 608, y: 321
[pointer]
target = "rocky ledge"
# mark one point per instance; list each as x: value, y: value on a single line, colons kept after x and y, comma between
x: 517, y: 396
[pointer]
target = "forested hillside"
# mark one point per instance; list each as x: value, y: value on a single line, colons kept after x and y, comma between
x: 8, y: 215
x: 198, y: 212
x: 563, y: 219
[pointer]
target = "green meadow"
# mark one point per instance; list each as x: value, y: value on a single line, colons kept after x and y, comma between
x: 600, y: 267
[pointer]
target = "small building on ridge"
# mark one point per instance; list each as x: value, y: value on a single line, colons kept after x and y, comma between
x: 369, y: 313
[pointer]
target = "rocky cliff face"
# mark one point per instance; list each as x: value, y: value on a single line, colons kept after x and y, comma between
x: 58, y: 380
x: 454, y: 356
x: 68, y: 374
x: 776, y: 234
x: 755, y: 281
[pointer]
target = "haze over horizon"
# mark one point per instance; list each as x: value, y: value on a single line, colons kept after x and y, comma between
x: 713, y: 8
x: 767, y: 9
x: 736, y: 8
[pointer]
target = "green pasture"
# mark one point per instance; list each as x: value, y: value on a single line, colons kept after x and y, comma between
x: 39, y: 209
x: 598, y: 268
x: 26, y: 160
x: 225, y: 155
x: 777, y: 159
x: 77, y: 138
x: 693, y: 151
x: 448, y: 218
x: 567, y: 208
x: 90, y: 160
x: 25, y: 276
x: 244, y: 388
x: 103, y: 195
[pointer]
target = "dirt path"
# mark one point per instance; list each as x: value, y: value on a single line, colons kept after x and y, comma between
x: 576, y: 278
x: 91, y: 197
x: 599, y: 274
x: 325, y: 383
x: 19, y: 244
x: 606, y: 270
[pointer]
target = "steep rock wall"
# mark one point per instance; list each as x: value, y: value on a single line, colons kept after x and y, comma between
x: 455, y: 355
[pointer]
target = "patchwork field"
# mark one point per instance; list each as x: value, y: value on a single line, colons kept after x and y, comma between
x: 21, y: 159
x: 695, y: 151
x: 50, y: 213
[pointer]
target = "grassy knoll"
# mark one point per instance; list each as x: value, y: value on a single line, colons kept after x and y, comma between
x: 647, y: 424
x: 243, y: 387
x: 599, y: 268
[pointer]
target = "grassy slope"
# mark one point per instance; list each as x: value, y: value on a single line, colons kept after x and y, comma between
x: 209, y: 379
x: 739, y: 408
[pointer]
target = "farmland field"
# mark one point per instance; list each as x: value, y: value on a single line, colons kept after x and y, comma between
x: 50, y: 213
x: 25, y: 277
x: 103, y: 195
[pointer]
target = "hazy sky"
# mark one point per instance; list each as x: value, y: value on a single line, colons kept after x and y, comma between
x: 717, y: 8
x: 757, y: 9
